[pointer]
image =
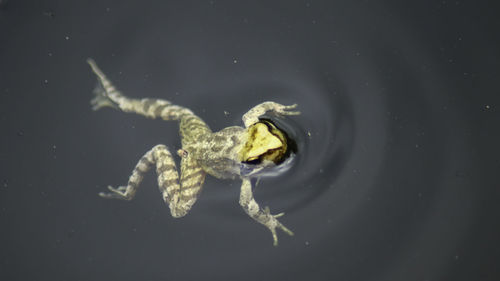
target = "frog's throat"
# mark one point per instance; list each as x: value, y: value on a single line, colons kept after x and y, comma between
x: 265, y: 142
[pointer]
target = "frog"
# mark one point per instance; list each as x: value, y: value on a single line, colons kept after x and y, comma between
x: 234, y: 152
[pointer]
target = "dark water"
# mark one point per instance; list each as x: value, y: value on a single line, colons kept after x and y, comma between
x: 396, y: 173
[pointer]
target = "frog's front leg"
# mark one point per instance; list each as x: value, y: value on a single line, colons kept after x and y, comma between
x: 262, y: 216
x: 252, y: 116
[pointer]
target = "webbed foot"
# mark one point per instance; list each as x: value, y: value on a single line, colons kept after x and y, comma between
x: 102, y: 89
x: 116, y: 193
x: 101, y: 99
x: 273, y: 223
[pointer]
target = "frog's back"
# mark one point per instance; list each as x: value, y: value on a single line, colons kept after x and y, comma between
x: 218, y: 152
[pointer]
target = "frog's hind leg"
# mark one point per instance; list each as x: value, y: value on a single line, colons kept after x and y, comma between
x: 192, y: 178
x: 106, y: 95
x: 165, y: 166
x: 179, y: 197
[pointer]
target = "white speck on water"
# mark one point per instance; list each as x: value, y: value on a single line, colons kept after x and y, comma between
x: 235, y: 61
x: 226, y: 113
x: 67, y: 37
x: 307, y: 243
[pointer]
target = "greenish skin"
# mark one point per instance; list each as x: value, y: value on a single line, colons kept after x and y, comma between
x: 203, y: 152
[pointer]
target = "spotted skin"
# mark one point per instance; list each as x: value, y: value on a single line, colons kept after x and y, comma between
x: 203, y: 152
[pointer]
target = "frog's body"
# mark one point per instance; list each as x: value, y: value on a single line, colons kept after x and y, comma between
x: 234, y: 152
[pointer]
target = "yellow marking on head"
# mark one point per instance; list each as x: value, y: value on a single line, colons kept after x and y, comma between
x: 265, y: 141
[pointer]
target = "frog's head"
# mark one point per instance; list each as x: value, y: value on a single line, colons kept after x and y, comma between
x: 266, y: 145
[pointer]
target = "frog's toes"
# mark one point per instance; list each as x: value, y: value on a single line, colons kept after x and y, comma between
x: 285, y: 110
x: 268, y: 212
x: 116, y: 193
x: 274, y: 223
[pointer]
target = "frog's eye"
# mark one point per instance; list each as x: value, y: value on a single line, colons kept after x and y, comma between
x: 265, y: 142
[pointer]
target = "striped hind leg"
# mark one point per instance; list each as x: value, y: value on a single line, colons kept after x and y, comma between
x: 192, y: 179
x: 179, y: 197
x: 106, y: 95
x: 165, y: 167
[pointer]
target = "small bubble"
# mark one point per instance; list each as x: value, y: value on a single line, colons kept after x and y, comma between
x: 307, y: 243
x: 487, y: 106
x: 67, y: 37
x: 49, y: 54
x: 235, y: 61
x: 45, y: 81
x: 49, y: 14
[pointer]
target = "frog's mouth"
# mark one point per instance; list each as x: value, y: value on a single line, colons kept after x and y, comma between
x: 265, y: 143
